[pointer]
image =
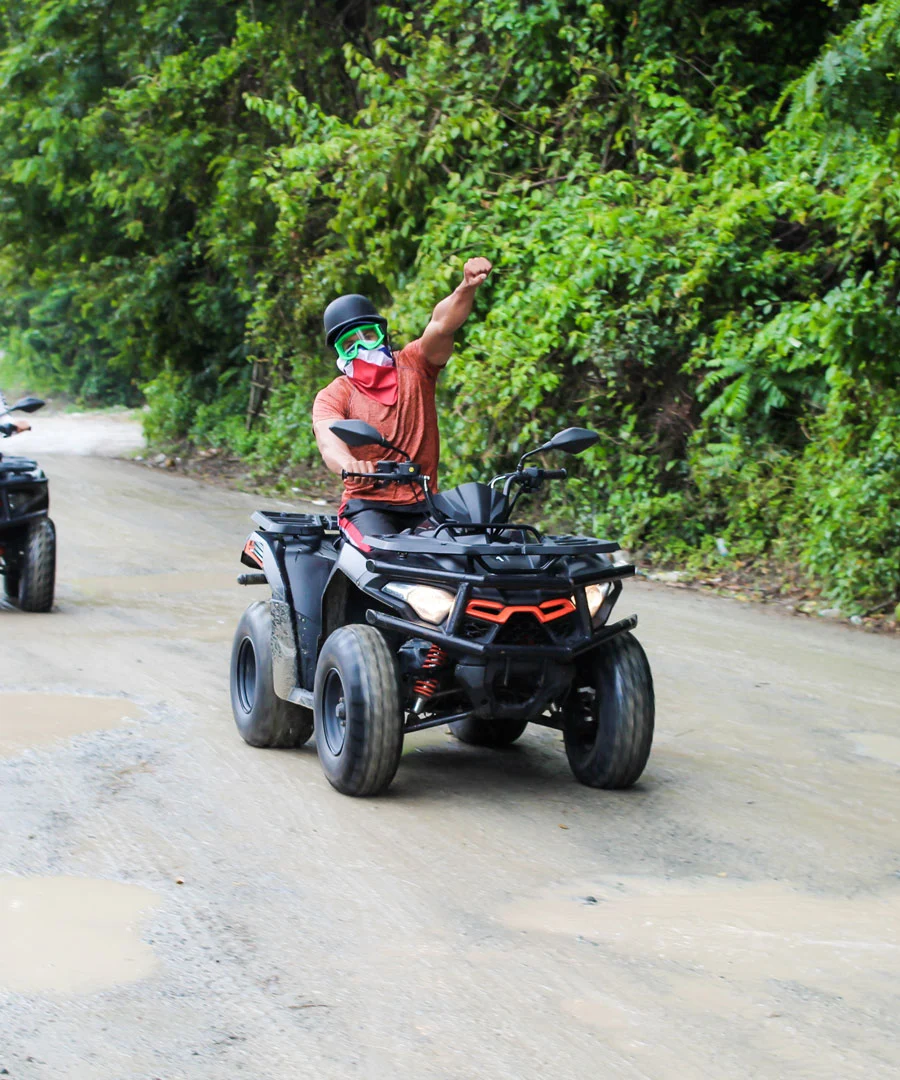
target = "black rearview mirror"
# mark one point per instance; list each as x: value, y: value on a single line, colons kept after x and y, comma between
x: 573, y: 440
x: 358, y: 433
x: 27, y: 404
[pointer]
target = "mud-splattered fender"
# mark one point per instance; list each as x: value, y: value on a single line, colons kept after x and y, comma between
x: 284, y: 648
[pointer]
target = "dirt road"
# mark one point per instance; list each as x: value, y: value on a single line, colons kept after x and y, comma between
x: 175, y: 904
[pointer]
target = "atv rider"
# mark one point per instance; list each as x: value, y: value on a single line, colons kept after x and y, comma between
x: 392, y: 391
x: 5, y: 418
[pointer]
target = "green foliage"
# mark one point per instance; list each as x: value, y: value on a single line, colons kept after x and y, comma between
x: 850, y: 533
x: 692, y: 206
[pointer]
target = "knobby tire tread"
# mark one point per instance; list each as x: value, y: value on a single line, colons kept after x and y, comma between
x: 37, y: 569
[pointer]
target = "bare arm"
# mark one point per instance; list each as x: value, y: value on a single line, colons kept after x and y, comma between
x: 8, y: 418
x: 335, y: 452
x: 452, y: 312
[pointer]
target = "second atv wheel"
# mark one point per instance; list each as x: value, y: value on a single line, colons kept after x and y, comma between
x: 608, y: 719
x: 30, y: 582
x: 262, y: 717
x: 359, y: 724
x: 478, y: 731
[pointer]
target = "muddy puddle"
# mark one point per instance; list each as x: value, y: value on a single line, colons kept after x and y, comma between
x: 36, y: 720
x: 71, y: 934
x: 884, y: 748
x: 712, y: 929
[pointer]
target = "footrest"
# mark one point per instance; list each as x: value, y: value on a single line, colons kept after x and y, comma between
x: 295, y: 524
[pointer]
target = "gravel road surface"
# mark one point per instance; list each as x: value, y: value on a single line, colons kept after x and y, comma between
x: 175, y: 904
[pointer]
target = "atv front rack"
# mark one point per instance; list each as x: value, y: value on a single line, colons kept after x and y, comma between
x: 530, y: 580
x: 552, y: 547
x: 549, y: 551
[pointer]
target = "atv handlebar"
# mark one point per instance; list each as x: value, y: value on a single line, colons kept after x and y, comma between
x: 6, y: 430
x: 528, y: 479
x: 398, y: 472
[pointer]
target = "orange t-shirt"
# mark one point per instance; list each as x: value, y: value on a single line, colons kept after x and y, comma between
x: 411, y: 423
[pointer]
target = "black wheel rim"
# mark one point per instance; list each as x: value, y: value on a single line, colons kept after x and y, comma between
x: 334, y: 712
x: 246, y: 675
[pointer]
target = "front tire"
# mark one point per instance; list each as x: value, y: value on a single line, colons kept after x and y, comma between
x: 262, y: 717
x: 488, y: 731
x: 608, y: 719
x: 33, y: 579
x: 359, y: 723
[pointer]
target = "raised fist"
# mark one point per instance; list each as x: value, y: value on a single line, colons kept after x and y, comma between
x: 475, y: 271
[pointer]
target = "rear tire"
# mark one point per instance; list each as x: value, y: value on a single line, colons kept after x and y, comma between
x: 608, y: 720
x: 34, y: 577
x: 262, y: 717
x: 359, y: 724
x: 488, y: 731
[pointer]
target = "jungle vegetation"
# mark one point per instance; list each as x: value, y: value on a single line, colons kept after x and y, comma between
x: 693, y: 208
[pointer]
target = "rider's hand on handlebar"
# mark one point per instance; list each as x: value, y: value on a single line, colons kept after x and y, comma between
x: 22, y: 425
x: 361, y: 466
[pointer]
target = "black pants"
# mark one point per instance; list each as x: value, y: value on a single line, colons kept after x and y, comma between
x: 372, y: 519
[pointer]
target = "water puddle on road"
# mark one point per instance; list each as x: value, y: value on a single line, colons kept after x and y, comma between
x: 882, y: 747
x: 33, y: 720
x: 746, y: 933
x: 72, y: 935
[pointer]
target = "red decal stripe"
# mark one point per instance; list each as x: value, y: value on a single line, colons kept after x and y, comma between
x: 353, y: 534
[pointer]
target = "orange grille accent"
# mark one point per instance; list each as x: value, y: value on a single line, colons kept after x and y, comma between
x: 495, y: 612
x: 435, y: 658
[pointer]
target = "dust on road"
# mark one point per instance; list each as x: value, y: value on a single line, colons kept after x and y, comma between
x: 197, y: 908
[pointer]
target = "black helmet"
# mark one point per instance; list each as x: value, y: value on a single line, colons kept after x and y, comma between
x: 348, y: 311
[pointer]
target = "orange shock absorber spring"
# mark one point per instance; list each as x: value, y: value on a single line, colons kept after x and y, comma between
x: 435, y: 658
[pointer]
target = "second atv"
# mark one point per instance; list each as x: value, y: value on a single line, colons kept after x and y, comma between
x: 27, y: 535
x: 471, y: 620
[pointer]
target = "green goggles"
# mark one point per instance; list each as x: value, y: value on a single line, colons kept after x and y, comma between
x: 360, y: 338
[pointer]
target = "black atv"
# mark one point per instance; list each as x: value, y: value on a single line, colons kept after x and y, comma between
x: 27, y: 535
x: 470, y: 620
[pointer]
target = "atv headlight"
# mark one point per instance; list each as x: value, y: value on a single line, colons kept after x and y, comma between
x: 432, y: 605
x: 596, y: 594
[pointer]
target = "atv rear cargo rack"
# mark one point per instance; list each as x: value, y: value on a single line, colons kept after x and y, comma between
x: 287, y: 524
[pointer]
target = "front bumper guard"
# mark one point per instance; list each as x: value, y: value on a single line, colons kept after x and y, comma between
x: 462, y: 646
